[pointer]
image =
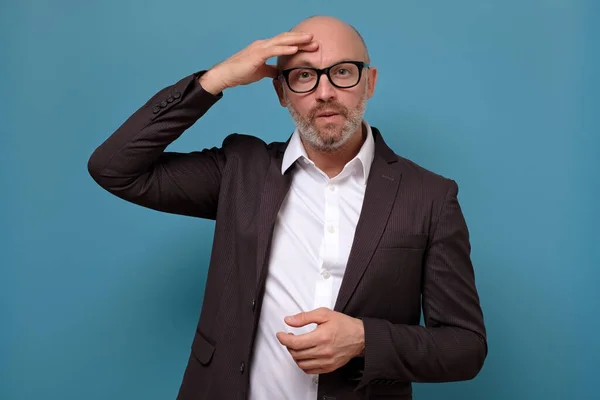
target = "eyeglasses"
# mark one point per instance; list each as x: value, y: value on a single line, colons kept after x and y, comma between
x: 343, y: 75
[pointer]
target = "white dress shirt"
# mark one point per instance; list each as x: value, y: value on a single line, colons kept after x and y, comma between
x: 312, y: 238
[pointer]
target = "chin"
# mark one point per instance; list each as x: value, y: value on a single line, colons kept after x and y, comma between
x: 330, y: 131
x: 332, y: 139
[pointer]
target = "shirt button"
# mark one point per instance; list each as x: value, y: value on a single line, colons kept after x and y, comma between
x: 242, y: 367
x: 330, y: 229
x: 326, y: 274
x: 316, y: 379
x: 332, y: 188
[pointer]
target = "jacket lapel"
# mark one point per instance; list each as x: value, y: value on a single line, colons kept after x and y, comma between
x: 274, y: 191
x: 380, y: 194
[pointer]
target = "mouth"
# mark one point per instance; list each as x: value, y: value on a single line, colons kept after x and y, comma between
x: 327, y: 114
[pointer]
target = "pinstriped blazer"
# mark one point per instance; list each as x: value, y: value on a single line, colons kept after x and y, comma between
x: 410, y: 255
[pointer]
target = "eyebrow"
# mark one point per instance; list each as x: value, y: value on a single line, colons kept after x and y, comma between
x: 302, y: 63
x: 305, y: 63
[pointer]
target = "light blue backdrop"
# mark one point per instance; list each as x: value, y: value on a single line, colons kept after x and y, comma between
x: 99, y: 298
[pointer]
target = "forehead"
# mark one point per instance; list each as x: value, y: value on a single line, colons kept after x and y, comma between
x: 336, y: 43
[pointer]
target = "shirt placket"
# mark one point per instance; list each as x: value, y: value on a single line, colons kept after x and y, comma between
x: 330, y: 248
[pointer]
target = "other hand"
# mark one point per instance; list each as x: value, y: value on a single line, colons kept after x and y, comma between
x: 336, y: 340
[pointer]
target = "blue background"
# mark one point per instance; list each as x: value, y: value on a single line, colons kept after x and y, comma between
x: 100, y: 298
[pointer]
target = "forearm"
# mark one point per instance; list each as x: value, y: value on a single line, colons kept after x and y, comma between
x: 132, y: 162
x: 408, y: 353
x: 142, y: 138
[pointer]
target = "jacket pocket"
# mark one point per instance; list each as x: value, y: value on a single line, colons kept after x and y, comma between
x: 202, y: 349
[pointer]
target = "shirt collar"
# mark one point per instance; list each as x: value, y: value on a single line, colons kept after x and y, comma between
x: 295, y: 151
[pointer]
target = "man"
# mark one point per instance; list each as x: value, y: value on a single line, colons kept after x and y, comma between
x: 325, y: 245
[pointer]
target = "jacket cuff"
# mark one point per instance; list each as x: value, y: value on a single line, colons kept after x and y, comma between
x: 186, y: 93
x: 376, y: 353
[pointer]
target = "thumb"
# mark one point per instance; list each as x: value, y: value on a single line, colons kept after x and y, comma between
x: 318, y: 316
x: 268, y: 71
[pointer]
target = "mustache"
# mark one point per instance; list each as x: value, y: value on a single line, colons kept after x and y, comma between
x: 329, y: 106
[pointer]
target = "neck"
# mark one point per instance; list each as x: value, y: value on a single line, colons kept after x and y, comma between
x: 332, y: 163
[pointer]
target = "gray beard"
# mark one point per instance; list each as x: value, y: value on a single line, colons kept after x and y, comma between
x: 331, y: 137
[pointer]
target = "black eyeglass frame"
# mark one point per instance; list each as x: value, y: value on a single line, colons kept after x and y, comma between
x: 325, y: 71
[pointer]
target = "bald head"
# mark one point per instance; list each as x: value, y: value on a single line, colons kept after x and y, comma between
x: 328, y: 31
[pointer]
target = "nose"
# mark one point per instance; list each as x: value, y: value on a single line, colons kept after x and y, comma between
x: 325, y: 91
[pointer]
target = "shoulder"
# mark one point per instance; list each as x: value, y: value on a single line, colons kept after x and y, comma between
x: 425, y: 187
x: 249, y: 151
x: 432, y: 185
x: 246, y: 144
x: 414, y: 177
x: 426, y: 190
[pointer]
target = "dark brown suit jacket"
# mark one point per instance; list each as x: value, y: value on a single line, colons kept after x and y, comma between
x: 411, y: 249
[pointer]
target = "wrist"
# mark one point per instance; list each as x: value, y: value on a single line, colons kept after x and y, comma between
x: 211, y: 83
x: 361, y: 338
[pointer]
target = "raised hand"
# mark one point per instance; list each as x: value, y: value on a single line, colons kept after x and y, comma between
x: 249, y: 65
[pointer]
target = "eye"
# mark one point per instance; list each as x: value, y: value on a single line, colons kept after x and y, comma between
x: 302, y: 75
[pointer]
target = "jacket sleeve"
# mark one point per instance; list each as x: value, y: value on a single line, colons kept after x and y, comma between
x: 452, y: 345
x: 132, y: 163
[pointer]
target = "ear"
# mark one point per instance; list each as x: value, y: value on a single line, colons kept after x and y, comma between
x: 372, y: 71
x: 279, y: 90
